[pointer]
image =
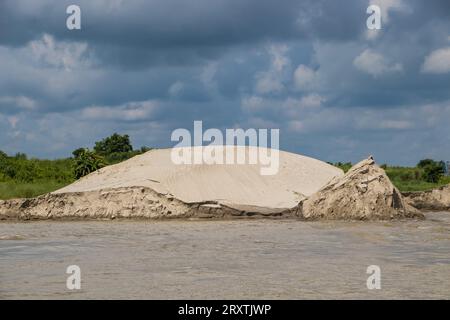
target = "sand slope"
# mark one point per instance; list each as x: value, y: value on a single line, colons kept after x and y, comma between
x: 239, y: 184
x: 363, y: 193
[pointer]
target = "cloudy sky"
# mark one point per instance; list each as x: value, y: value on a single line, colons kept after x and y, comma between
x: 336, y: 90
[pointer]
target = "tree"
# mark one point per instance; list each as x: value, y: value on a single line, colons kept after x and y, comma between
x: 21, y: 156
x: 76, y: 153
x: 86, y: 163
x: 113, y: 144
x: 432, y: 170
x: 145, y: 149
x: 425, y: 162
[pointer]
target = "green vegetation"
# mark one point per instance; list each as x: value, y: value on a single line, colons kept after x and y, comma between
x: 428, y: 174
x: 86, y: 162
x: 113, y: 144
x: 399, y: 178
x: 21, y: 177
x: 433, y: 171
x: 13, y: 189
x: 344, y: 166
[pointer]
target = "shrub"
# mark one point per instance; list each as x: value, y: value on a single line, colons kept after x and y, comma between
x: 432, y: 170
x: 76, y: 153
x: 425, y: 162
x: 433, y: 173
x: 86, y: 163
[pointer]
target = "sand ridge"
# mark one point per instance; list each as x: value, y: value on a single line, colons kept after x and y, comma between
x: 237, y: 184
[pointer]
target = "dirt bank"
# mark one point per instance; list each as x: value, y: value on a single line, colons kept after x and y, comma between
x: 123, y: 203
x: 431, y: 200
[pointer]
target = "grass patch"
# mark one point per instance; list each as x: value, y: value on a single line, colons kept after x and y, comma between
x: 12, y: 189
x: 412, y: 179
x: 418, y: 185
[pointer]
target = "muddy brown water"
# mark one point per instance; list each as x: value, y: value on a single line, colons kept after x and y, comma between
x: 239, y: 259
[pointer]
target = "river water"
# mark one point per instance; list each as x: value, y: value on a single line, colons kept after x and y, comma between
x: 238, y: 259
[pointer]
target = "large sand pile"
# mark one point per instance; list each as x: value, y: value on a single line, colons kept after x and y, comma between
x: 364, y: 193
x: 232, y: 184
x: 151, y: 185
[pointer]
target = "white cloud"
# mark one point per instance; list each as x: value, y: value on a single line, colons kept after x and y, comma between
x: 132, y: 111
x: 65, y: 55
x: 401, y: 118
x: 267, y: 82
x: 375, y: 64
x: 271, y: 81
x: 20, y: 102
x: 208, y: 74
x: 309, y: 114
x: 176, y: 88
x: 395, y: 124
x: 279, y: 59
x: 13, y: 120
x: 310, y: 102
x: 253, y: 103
x: 295, y: 126
x: 438, y: 61
x: 304, y: 77
x: 258, y: 122
x: 289, y: 107
x: 318, y: 120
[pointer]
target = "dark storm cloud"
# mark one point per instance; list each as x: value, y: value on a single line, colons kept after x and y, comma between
x: 153, y: 23
x: 177, y: 31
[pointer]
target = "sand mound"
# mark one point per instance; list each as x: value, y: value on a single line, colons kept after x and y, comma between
x: 433, y: 200
x: 230, y: 184
x: 364, y: 193
x: 152, y: 186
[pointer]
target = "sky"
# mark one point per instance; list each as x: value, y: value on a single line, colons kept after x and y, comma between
x: 336, y: 90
